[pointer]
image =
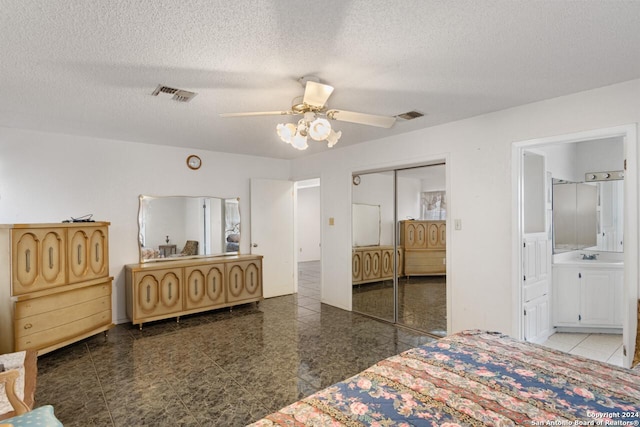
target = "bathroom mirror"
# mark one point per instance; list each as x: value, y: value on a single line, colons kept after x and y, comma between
x: 175, y: 227
x: 588, y: 216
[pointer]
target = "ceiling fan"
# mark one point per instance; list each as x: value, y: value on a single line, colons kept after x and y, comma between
x: 315, y: 113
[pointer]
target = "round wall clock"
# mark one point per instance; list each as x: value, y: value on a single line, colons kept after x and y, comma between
x: 194, y: 162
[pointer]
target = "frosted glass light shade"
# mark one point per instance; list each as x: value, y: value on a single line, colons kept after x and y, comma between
x: 319, y: 129
x: 300, y: 142
x: 310, y: 126
x: 333, y: 138
x: 286, y: 132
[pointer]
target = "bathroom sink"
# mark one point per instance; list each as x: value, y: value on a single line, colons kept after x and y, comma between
x: 605, y: 259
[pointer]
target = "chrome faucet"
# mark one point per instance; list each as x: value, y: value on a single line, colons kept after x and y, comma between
x: 590, y: 257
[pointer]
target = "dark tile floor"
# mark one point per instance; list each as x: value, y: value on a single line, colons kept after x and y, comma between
x: 222, y: 368
x: 422, y: 302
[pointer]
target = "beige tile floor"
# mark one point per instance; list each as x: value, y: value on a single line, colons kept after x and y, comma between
x: 602, y: 347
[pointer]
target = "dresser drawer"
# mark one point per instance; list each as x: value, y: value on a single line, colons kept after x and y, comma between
x: 55, y: 302
x: 63, y: 332
x: 52, y: 319
x: 424, y: 262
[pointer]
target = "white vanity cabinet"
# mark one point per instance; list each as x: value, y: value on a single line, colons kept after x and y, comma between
x: 587, y: 296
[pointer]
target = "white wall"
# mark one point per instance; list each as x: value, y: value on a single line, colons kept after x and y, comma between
x: 433, y: 178
x: 570, y: 161
x: 408, y: 197
x: 308, y: 219
x: 599, y: 155
x: 478, y: 153
x: 48, y: 178
x: 560, y: 160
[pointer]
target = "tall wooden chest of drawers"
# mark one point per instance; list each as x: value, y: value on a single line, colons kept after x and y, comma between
x: 55, y: 287
x: 425, y: 246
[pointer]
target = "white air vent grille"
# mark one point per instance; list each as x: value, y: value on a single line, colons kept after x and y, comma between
x: 179, y: 95
x: 410, y: 115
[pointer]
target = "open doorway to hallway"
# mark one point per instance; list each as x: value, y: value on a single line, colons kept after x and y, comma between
x: 308, y: 250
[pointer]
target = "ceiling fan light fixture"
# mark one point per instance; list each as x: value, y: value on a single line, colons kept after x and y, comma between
x: 320, y: 129
x: 312, y: 106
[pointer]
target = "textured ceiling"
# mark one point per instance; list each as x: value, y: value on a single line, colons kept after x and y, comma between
x: 88, y: 67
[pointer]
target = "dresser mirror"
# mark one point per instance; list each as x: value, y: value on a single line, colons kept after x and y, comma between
x: 175, y: 227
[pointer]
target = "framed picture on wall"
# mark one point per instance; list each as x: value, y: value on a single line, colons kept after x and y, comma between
x: 434, y: 205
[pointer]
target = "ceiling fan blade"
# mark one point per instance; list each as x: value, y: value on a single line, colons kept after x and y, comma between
x: 258, y: 113
x: 316, y: 94
x: 361, y: 118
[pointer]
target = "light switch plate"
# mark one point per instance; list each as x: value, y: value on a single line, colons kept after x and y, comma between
x: 457, y: 224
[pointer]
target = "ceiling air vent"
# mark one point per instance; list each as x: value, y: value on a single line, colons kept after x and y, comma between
x: 410, y: 115
x: 179, y: 95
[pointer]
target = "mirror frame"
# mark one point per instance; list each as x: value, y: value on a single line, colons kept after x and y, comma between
x: 142, y: 259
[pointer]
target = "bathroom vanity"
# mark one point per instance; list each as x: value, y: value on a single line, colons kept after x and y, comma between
x: 587, y: 291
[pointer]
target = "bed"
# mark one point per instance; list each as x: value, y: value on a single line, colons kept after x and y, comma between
x: 473, y: 378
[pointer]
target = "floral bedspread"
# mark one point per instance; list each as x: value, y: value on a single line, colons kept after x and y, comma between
x: 474, y: 378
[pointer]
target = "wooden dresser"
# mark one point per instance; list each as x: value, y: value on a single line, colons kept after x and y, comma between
x: 55, y: 287
x: 424, y: 244
x: 161, y: 290
x: 373, y: 264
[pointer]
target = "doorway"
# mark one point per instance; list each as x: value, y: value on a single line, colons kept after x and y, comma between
x: 399, y: 247
x: 578, y: 160
x: 307, y: 237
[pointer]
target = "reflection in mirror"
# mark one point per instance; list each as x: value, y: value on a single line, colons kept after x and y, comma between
x: 182, y: 226
x: 398, y: 279
x: 610, y: 226
x: 372, y: 253
x: 588, y: 216
x: 366, y: 225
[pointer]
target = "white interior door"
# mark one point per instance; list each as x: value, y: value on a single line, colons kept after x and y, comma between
x: 272, y: 224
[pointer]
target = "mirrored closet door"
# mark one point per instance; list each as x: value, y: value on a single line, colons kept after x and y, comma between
x: 422, y: 242
x: 399, y: 247
x: 373, y: 245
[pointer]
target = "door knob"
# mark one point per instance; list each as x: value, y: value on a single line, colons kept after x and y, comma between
x: 255, y: 245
